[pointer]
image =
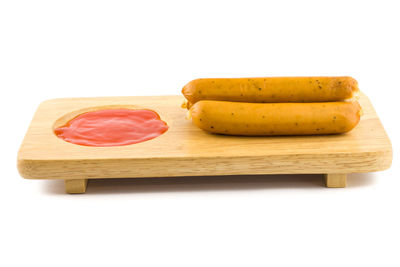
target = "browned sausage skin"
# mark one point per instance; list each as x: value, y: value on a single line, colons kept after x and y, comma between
x: 255, y: 119
x: 272, y: 89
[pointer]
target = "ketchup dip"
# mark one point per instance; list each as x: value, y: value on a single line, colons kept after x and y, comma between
x: 112, y: 127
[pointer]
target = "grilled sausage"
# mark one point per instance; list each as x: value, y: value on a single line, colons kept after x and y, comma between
x: 252, y: 119
x: 271, y: 90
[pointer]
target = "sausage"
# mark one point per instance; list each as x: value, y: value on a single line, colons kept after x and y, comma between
x: 186, y: 104
x: 252, y: 119
x: 272, y: 90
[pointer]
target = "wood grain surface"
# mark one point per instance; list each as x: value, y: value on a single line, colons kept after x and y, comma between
x: 185, y: 150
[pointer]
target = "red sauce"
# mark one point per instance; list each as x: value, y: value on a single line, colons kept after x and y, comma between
x: 112, y: 127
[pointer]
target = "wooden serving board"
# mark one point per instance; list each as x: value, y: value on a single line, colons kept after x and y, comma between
x: 185, y: 150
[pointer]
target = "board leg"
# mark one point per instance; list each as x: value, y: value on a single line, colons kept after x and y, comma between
x: 76, y: 186
x: 335, y: 180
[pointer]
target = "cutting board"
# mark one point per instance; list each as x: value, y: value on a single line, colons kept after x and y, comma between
x: 185, y: 150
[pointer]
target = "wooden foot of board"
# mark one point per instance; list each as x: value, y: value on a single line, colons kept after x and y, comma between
x: 335, y: 180
x: 76, y: 186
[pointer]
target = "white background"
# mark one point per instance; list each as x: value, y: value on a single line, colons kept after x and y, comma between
x: 51, y: 49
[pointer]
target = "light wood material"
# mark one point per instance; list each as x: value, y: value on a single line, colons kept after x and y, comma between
x: 76, y: 186
x: 335, y: 180
x: 185, y: 150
